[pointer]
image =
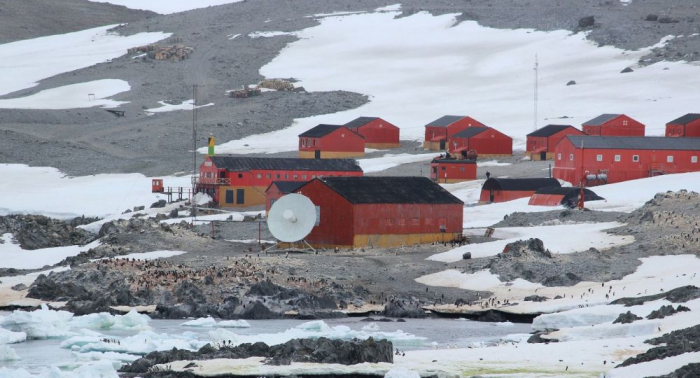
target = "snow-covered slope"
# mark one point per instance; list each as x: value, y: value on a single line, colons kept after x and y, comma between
x: 166, y: 6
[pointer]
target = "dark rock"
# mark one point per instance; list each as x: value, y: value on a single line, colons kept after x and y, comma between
x: 159, y: 204
x: 678, y: 342
x: 382, y: 320
x: 139, y: 208
x: 38, y: 231
x: 586, y: 22
x: 401, y: 320
x: 688, y: 371
x: 256, y: 310
x: 80, y: 221
x: 19, y: 287
x: 535, y: 298
x: 627, y: 70
x: 537, y: 338
x: 626, y: 318
x: 667, y: 20
x: 665, y: 311
x: 678, y: 295
x: 651, y: 17
x: 173, y: 213
x: 521, y: 248
x: 46, y: 288
x: 466, y: 255
x: 398, y: 308
x: 571, y: 82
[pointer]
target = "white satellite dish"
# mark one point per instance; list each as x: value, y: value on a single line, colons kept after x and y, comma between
x: 291, y: 218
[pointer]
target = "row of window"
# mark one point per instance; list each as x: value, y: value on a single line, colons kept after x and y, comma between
x: 635, y: 158
x: 675, y: 130
x: 308, y: 142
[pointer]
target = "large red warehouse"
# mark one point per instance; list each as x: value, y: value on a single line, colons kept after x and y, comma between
x: 614, y: 159
x: 507, y: 189
x: 241, y: 181
x: 330, y: 141
x: 613, y: 125
x: 486, y: 141
x: 686, y: 126
x: 444, y: 170
x: 541, y: 142
x: 382, y: 212
x: 438, y: 131
x: 378, y: 133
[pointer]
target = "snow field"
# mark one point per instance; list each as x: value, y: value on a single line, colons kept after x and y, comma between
x: 654, y: 368
x: 561, y: 239
x: 26, y: 62
x: 432, y: 58
x: 13, y: 256
x: 72, y: 96
x: 167, y: 6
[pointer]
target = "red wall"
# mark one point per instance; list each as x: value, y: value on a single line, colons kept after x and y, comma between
x: 340, y: 140
x: 445, y: 132
x: 620, y: 126
x: 373, y: 219
x: 504, y: 195
x: 440, y: 172
x: 546, y: 199
x: 623, y: 170
x: 691, y: 129
x: 335, y: 227
x: 272, y: 193
x: 535, y: 143
x: 378, y: 131
x: 489, y: 142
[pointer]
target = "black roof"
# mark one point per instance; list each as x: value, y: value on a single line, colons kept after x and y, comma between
x: 453, y: 161
x: 601, y: 119
x: 519, y: 184
x: 320, y: 131
x: 470, y: 132
x: 688, y: 118
x: 360, y: 121
x: 288, y: 186
x: 569, y: 193
x: 635, y: 143
x: 236, y: 163
x: 395, y: 190
x: 549, y: 130
x: 445, y: 121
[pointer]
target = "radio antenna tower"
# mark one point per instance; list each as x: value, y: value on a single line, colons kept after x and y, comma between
x: 536, y: 84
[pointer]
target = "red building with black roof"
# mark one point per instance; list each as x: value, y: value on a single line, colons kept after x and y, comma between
x: 562, y: 196
x: 381, y: 212
x: 329, y: 142
x: 613, y: 125
x: 439, y: 131
x: 278, y: 189
x: 685, y: 126
x: 486, y: 141
x: 378, y: 133
x: 508, y: 189
x: 603, y: 160
x: 234, y: 181
x: 446, y: 171
x: 542, y: 142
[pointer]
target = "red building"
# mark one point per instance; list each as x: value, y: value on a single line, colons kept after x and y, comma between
x: 378, y: 133
x: 241, y: 181
x: 278, y: 189
x: 452, y: 170
x: 613, y: 125
x: 506, y: 189
x: 329, y: 142
x: 686, y: 126
x: 615, y: 159
x: 439, y: 131
x: 381, y: 212
x: 562, y: 196
x: 541, y: 142
x: 486, y: 141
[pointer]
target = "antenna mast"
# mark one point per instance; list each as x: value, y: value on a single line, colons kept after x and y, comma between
x: 536, y: 83
x: 194, y: 150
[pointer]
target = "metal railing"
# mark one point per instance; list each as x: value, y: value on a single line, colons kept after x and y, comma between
x: 211, y: 181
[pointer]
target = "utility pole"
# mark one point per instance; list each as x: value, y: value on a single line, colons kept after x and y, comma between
x: 194, y: 151
x: 536, y: 84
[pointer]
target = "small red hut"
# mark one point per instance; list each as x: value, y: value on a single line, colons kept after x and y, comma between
x: 439, y: 131
x: 378, y: 133
x: 541, y: 142
x: 613, y: 125
x: 507, y: 189
x: 330, y: 141
x: 486, y: 141
x: 452, y: 170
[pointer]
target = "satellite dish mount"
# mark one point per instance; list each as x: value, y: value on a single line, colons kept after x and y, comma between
x: 290, y: 220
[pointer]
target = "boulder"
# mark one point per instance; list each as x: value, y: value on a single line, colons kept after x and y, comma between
x: 667, y: 20
x: 627, y: 70
x: 586, y: 22
x: 535, y: 298
x: 665, y: 311
x: 159, y: 204
x: 466, y: 255
x: 398, y: 308
x: 571, y: 82
x: 651, y: 17
x: 626, y: 318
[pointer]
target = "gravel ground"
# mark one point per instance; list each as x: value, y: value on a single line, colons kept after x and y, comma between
x: 160, y: 144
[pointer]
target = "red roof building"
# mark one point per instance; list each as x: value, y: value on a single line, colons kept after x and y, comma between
x: 383, y: 212
x: 278, y: 189
x: 378, y: 133
x: 562, y: 196
x: 330, y: 142
x: 541, y: 142
x: 601, y: 160
x: 486, y: 141
x: 506, y: 189
x: 241, y: 181
x: 452, y: 170
x: 439, y: 131
x: 613, y: 125
x: 686, y: 126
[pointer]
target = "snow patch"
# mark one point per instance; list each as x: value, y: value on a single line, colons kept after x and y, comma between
x: 72, y: 96
x: 185, y: 105
x: 390, y: 161
x: 12, y: 255
x: 167, y: 6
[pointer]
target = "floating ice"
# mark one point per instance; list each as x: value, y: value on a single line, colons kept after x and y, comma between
x: 8, y: 354
x: 140, y: 344
x: 132, y: 320
x: 201, y: 322
x: 39, y: 324
x: 102, y: 369
x: 401, y: 373
x: 9, y: 337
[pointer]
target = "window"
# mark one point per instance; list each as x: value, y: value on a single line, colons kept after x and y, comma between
x: 308, y: 142
x: 388, y: 222
x: 240, y: 175
x: 207, y: 163
x: 428, y: 221
x: 461, y: 169
x: 624, y: 123
x: 240, y: 196
x: 296, y: 177
x: 599, y: 158
x: 259, y: 175
x: 229, y: 196
x: 303, y: 177
x: 314, y: 140
x: 571, y: 157
x: 303, y: 142
x: 693, y: 159
x: 443, y: 168
x: 267, y: 175
x: 286, y: 175
x: 617, y: 158
x: 669, y: 159
x: 278, y: 175
x: 401, y: 222
x: 415, y: 221
x: 635, y: 158
x: 558, y: 156
x: 318, y: 215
